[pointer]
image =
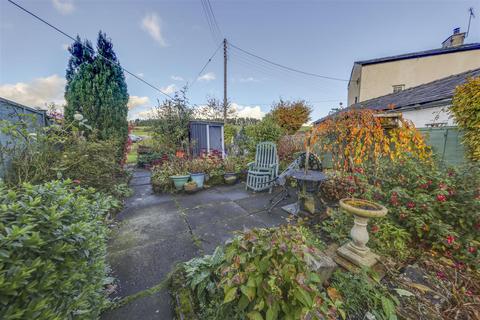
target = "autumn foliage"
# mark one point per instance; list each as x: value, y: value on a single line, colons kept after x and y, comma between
x: 291, y: 115
x: 466, y: 110
x: 357, y: 136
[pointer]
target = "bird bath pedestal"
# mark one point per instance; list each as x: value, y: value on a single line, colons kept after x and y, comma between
x: 356, y: 251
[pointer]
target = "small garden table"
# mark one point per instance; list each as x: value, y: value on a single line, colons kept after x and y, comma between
x: 308, y: 185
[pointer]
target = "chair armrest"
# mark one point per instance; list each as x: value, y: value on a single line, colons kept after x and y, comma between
x: 250, y: 164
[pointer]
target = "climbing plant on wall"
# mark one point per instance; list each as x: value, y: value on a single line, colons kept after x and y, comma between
x: 466, y: 110
x: 356, y: 136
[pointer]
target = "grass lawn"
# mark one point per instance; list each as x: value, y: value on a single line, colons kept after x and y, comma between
x: 138, y: 131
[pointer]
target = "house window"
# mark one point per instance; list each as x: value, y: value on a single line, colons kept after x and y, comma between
x: 398, y: 88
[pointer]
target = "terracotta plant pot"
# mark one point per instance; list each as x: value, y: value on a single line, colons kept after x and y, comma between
x: 179, y: 181
x: 190, y: 187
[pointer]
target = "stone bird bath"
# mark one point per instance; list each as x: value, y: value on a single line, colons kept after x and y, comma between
x: 356, y: 250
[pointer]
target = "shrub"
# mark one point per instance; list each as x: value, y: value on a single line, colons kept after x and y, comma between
x: 466, y: 108
x: 52, y: 257
x: 264, y: 274
x: 439, y: 207
x: 288, y: 147
x: 360, y: 295
x: 60, y: 152
x: 265, y: 130
x: 359, y: 135
x: 291, y: 115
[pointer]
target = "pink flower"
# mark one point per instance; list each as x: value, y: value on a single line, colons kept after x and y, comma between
x: 450, y: 239
x: 76, y: 181
x: 375, y: 229
x: 443, y: 186
x: 411, y: 205
x: 469, y: 293
x: 441, y: 198
x: 472, y: 249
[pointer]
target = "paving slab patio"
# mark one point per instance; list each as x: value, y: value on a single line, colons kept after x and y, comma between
x: 155, y: 232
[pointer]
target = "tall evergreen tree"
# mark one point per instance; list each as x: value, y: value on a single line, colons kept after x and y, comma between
x: 96, y: 88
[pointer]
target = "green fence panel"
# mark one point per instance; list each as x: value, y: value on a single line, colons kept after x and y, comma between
x: 446, y: 143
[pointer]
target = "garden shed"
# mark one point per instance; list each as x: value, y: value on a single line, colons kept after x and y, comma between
x: 206, y: 136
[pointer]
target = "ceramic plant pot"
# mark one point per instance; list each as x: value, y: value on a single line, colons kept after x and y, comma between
x: 230, y: 178
x: 198, y: 178
x: 179, y: 181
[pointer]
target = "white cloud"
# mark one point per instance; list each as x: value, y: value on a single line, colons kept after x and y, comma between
x: 247, y: 111
x: 177, y: 78
x: 65, y: 46
x: 248, y: 79
x: 64, y: 6
x: 207, y: 77
x: 147, y: 114
x: 151, y: 24
x: 136, y: 101
x: 140, y: 74
x: 37, y: 93
x: 171, y: 88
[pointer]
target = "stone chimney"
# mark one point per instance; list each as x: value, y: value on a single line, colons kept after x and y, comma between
x: 455, y: 40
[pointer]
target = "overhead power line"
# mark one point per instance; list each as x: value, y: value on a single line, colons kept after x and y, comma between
x: 211, y: 20
x: 205, y: 66
x: 90, y: 49
x: 286, y: 67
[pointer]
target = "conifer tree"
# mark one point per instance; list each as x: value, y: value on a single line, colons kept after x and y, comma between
x: 96, y: 88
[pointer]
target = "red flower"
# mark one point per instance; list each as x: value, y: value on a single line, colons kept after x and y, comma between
x: 441, y: 198
x: 441, y: 275
x: 472, y: 249
x: 450, y: 239
x: 448, y: 254
x: 411, y: 205
x: 351, y: 190
x: 424, y: 186
x: 375, y: 229
x: 359, y: 170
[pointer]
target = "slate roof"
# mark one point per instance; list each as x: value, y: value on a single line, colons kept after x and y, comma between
x: 426, y: 53
x: 421, y: 96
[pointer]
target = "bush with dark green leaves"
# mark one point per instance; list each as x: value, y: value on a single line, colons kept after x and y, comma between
x: 52, y: 251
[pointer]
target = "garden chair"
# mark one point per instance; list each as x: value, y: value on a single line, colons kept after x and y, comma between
x: 264, y: 169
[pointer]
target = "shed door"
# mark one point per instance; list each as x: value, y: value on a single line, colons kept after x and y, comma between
x: 216, y: 138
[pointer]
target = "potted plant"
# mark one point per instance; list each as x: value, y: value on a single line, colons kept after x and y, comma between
x: 190, y: 187
x: 180, y: 173
x: 197, y: 171
x: 231, y: 168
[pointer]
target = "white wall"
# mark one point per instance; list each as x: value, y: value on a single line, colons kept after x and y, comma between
x: 422, y: 117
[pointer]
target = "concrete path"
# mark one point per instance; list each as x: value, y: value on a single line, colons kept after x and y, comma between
x: 157, y: 231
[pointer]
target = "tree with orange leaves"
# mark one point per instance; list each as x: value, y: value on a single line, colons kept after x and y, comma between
x: 360, y: 135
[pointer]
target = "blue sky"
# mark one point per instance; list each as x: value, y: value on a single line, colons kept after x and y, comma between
x: 168, y: 42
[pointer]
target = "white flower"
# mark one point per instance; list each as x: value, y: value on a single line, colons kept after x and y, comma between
x: 78, y: 117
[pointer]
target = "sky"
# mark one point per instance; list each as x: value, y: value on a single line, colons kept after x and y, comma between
x: 168, y: 42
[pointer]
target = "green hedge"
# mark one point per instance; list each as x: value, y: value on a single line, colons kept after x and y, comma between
x: 52, y: 251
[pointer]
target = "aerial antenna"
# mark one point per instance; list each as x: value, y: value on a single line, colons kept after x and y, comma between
x: 470, y: 16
